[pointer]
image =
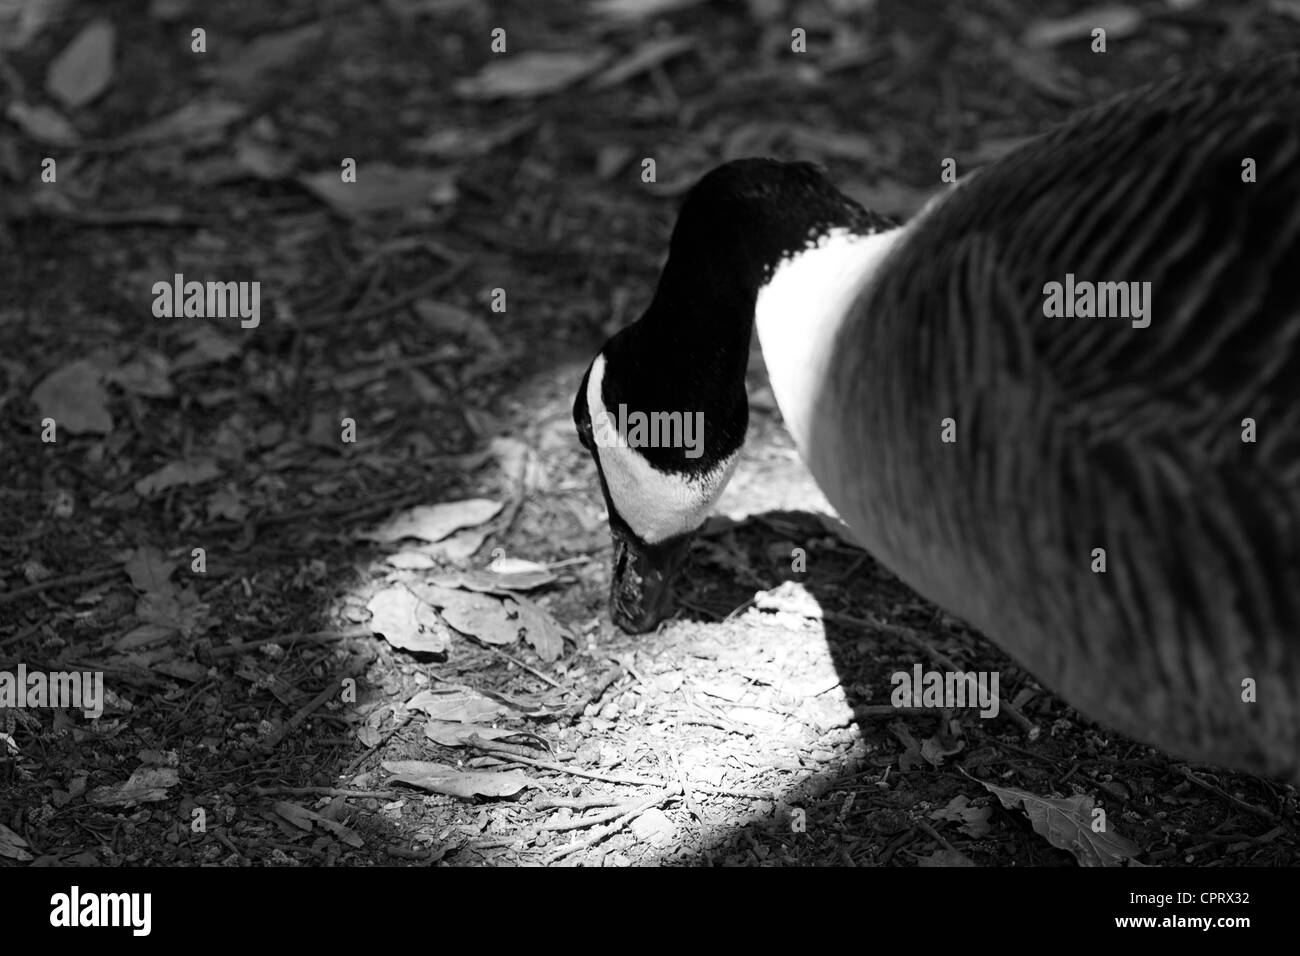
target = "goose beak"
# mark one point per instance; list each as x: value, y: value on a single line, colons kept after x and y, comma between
x: 641, y: 593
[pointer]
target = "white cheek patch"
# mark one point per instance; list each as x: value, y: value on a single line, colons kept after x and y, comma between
x: 656, y: 505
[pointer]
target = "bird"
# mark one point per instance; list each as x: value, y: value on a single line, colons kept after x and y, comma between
x: 1106, y: 485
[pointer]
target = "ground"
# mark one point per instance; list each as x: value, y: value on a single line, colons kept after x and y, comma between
x: 292, y: 677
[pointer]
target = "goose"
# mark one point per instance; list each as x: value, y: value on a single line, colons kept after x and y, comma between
x: 1112, y: 499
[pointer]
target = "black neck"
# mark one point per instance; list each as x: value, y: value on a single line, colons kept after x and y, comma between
x: 688, y: 353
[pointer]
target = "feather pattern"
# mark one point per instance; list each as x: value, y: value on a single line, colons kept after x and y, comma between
x: 1074, y: 434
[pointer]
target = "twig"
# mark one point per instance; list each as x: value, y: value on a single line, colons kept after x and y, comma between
x: 82, y: 577
x: 314, y: 637
x: 293, y: 723
x: 581, y: 823
x: 26, y: 632
x: 532, y: 670
x: 637, y: 781
x: 1240, y: 804
x: 324, y: 792
x: 621, y: 821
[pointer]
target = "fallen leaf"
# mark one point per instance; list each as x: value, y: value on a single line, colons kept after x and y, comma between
x: 974, y: 820
x: 251, y: 65
x: 207, y: 346
x: 194, y: 125
x: 306, y: 819
x: 410, y: 561
x: 407, y: 622
x: 380, y: 187
x: 450, y: 733
x: 85, y: 67
x: 1117, y: 21
x: 149, y: 570
x: 541, y: 631
x: 654, y: 827
x: 435, y: 522
x: 144, y: 635
x: 42, y: 123
x: 458, y: 704
x: 226, y: 503
x: 532, y: 705
x: 179, y: 609
x: 75, y: 399
x: 483, y: 616
x: 649, y: 54
x: 147, y: 785
x: 639, y: 9
x: 448, y: 319
x: 22, y: 20
x: 262, y: 161
x: 195, y: 471
x: 471, y: 142
x: 148, y: 374
x: 495, y: 582
x: 935, y: 748
x: 458, y: 548
x: 1067, y: 825
x: 12, y: 846
x: 440, y: 778
x: 535, y: 73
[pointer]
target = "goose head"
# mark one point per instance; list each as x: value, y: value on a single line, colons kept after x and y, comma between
x: 662, y: 409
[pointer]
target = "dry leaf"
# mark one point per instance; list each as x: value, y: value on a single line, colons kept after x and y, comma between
x: 149, y: 570
x: 493, y: 581
x: 306, y: 819
x: 407, y: 622
x: 1067, y: 825
x: 482, y: 616
x: 148, y: 374
x: 207, y: 346
x: 471, y: 142
x: 85, y: 68
x: 196, y: 125
x: 459, y: 704
x: 1117, y: 21
x: 268, y: 53
x: 639, y: 9
x: 192, y: 472
x: 147, y: 785
x: 450, y: 733
x: 460, y: 547
x: 42, y: 123
x: 440, y: 778
x: 12, y: 846
x: 380, y: 188
x: 75, y: 399
x: 22, y: 20
x: 532, y: 74
x: 435, y: 522
x: 649, y: 54
x: 410, y: 561
x: 974, y: 820
x: 225, y: 503
x: 541, y: 631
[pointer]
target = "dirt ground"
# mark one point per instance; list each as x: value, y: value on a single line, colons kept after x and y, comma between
x: 391, y: 646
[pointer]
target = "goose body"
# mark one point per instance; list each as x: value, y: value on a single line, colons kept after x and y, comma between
x: 1115, y: 500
